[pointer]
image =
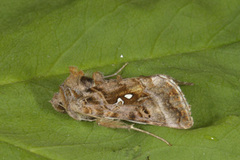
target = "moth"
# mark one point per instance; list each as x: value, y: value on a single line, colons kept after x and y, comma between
x: 154, y: 100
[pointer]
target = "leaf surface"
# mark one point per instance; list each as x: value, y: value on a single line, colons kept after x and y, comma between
x: 192, y: 41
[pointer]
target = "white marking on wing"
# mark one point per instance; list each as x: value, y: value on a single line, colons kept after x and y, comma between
x: 119, y: 100
x: 128, y: 96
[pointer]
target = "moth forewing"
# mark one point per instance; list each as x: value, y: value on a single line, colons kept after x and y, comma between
x: 154, y: 100
x: 170, y: 101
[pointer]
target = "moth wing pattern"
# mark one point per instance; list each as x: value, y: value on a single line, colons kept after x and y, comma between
x: 155, y: 100
x: 170, y: 101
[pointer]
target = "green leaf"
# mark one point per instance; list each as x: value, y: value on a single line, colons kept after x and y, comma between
x: 193, y: 41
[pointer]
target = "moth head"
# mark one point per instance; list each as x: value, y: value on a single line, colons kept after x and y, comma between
x: 57, y: 102
x: 73, y: 88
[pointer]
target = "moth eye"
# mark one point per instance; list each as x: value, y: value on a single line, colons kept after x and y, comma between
x: 128, y: 96
x: 60, y: 107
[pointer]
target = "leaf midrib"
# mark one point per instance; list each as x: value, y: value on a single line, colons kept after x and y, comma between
x: 191, y: 52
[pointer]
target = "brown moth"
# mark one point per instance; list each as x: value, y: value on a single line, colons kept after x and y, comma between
x: 155, y: 100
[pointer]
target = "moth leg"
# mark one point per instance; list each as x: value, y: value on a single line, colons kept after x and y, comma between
x: 180, y: 83
x: 118, y: 124
x: 112, y: 75
x: 99, y: 78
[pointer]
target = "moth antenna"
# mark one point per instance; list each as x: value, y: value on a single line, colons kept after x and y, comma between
x: 180, y: 83
x: 146, y: 132
x: 112, y: 75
